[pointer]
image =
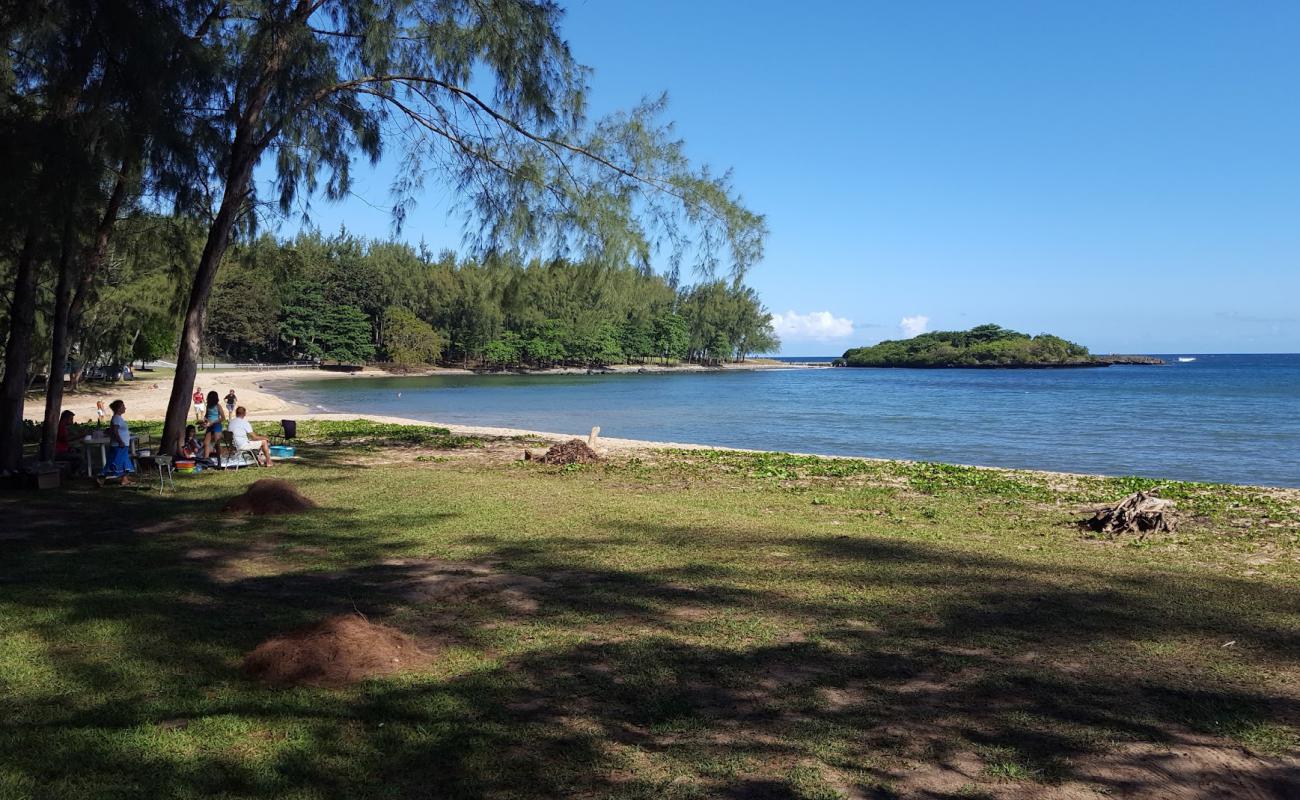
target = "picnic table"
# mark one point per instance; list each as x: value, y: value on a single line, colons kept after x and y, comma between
x: 99, y: 443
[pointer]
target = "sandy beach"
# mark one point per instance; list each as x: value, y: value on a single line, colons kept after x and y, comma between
x: 146, y: 396
x: 146, y: 399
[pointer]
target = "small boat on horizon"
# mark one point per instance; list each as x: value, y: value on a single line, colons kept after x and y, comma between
x: 1186, y: 359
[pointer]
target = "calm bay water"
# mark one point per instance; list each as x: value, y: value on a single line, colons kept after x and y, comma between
x: 1230, y: 418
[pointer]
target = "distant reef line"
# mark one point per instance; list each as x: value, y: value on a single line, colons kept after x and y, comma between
x: 1114, y: 358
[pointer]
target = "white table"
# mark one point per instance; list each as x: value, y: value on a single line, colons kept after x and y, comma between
x: 100, y: 444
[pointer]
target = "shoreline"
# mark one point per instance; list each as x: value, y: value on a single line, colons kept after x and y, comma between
x: 147, y: 400
x: 607, y: 445
x: 615, y: 445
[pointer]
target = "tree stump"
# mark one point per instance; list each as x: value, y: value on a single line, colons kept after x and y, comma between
x: 1140, y: 512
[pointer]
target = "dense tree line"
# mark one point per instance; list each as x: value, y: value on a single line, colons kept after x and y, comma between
x: 110, y: 110
x: 981, y: 346
x: 351, y: 300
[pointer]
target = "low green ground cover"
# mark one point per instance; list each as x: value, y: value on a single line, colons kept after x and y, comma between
x: 679, y: 624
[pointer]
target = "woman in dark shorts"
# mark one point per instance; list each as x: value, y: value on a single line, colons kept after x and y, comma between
x: 214, y: 417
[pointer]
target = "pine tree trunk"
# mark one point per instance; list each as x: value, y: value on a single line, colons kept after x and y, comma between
x: 58, y: 347
x: 22, y: 319
x: 67, y: 315
x: 191, y: 344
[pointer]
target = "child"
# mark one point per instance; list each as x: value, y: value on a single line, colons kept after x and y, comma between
x: 189, y: 443
x: 119, y: 448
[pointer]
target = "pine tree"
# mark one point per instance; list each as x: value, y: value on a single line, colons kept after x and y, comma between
x: 317, y: 82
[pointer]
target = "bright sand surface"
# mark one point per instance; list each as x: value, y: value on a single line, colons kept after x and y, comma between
x: 146, y: 399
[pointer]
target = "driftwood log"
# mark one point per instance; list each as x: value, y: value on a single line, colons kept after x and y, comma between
x: 1140, y: 512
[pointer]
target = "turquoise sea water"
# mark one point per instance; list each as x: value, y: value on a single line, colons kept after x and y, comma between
x: 1229, y: 418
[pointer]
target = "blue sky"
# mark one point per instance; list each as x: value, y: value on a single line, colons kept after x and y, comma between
x: 1126, y: 175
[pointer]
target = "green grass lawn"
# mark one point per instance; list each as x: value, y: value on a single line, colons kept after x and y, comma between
x: 692, y: 624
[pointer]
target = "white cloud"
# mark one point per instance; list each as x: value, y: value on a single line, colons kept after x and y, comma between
x: 820, y: 326
x: 913, y: 326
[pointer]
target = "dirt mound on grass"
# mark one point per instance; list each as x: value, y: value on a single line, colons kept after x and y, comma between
x: 269, y: 496
x: 574, y: 451
x: 336, y: 651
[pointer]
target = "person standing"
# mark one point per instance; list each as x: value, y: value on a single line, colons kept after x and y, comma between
x: 230, y: 404
x: 118, y: 464
x: 198, y: 403
x: 213, y: 416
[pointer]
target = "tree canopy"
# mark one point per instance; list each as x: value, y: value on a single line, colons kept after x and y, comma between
x: 112, y: 108
x: 274, y: 299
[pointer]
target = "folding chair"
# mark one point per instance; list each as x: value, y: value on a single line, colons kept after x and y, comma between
x: 236, y: 457
x: 288, y: 432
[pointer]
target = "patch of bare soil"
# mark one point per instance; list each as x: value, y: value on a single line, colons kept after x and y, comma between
x: 490, y: 451
x: 1191, y: 767
x: 689, y: 613
x: 270, y: 496
x: 23, y: 520
x: 166, y: 526
x: 574, y: 451
x: 452, y: 583
x: 337, y: 651
x: 225, y: 566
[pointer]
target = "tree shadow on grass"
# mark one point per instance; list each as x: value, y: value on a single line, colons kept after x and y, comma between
x: 1014, y: 665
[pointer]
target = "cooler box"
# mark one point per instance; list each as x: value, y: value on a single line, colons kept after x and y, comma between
x: 282, y: 451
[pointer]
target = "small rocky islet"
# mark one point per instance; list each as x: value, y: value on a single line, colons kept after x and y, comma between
x: 984, y: 347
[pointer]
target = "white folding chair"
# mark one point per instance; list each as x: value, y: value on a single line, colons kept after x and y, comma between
x: 236, y: 457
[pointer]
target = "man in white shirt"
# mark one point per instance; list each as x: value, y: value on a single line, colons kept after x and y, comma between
x: 241, y: 433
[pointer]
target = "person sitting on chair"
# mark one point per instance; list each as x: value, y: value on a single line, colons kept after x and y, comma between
x: 241, y: 432
x: 62, y: 443
x: 63, y: 438
x: 190, y: 447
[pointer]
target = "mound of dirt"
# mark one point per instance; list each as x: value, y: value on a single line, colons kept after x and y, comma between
x: 269, y: 496
x: 574, y: 451
x: 337, y: 651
